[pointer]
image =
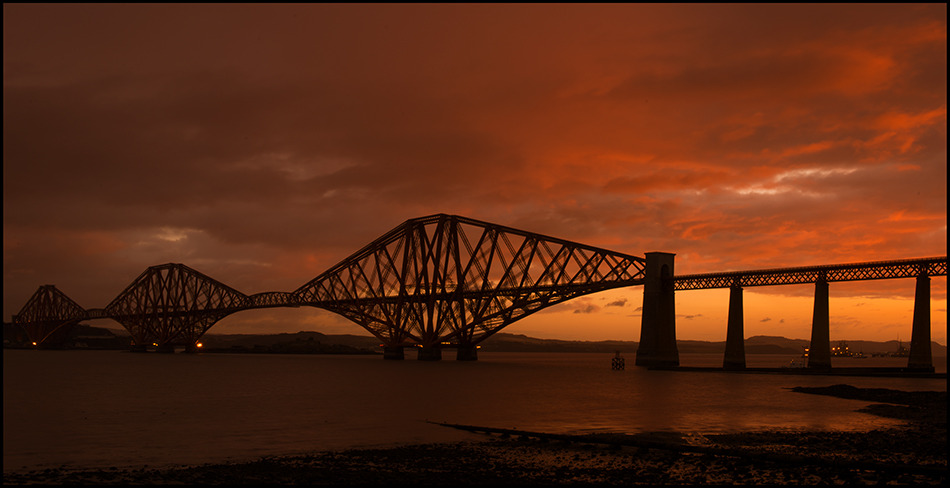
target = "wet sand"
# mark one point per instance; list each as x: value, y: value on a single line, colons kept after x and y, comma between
x: 915, y: 454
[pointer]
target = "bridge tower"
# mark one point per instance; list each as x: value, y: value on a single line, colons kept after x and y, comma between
x: 172, y: 304
x: 658, y: 319
x: 48, y: 317
x: 446, y: 281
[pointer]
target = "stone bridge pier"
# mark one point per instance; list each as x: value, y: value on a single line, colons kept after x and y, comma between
x: 921, y: 352
x: 658, y: 320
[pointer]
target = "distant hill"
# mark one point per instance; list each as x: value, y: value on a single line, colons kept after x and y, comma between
x: 503, y: 342
x: 80, y: 336
x: 85, y: 336
x: 304, y: 342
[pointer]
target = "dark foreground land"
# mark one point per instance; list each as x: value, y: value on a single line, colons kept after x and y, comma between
x: 913, y: 455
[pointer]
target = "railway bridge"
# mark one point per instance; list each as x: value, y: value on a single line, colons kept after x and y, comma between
x: 445, y: 281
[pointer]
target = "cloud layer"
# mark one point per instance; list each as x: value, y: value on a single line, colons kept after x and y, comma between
x: 261, y: 144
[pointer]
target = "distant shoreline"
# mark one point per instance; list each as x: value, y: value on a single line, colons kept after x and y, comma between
x: 312, y: 342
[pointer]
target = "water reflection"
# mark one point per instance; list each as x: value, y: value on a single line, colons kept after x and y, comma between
x: 103, y: 408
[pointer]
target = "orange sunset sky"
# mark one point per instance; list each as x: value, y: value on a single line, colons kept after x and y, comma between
x: 262, y: 144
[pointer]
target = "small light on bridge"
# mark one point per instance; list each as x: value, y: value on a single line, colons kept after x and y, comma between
x: 34, y: 343
x: 199, y: 345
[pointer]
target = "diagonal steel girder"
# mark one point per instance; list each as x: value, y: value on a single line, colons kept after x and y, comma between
x: 172, y: 303
x: 450, y: 279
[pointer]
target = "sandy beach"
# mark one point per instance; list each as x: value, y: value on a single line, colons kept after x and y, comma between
x: 915, y: 454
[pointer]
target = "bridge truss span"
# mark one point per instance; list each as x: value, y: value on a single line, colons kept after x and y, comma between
x: 48, y: 315
x: 450, y: 280
x: 173, y: 303
x: 271, y: 299
x: 876, y: 270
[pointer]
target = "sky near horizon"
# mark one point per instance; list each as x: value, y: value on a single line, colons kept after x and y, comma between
x: 262, y: 144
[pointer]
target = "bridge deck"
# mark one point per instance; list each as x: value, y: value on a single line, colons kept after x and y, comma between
x: 877, y: 270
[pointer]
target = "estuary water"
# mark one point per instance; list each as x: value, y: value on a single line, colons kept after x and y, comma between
x: 115, y: 408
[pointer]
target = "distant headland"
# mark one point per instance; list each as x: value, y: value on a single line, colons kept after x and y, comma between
x: 311, y: 342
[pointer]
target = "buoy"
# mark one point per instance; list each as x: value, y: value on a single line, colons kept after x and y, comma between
x: 617, y: 363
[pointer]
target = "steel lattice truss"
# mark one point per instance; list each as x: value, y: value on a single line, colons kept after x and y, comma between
x: 173, y: 303
x: 449, y: 279
x: 434, y: 280
x: 272, y: 299
x: 48, y: 312
x: 879, y: 270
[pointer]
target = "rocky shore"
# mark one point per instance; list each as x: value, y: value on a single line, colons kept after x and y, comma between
x: 915, y: 454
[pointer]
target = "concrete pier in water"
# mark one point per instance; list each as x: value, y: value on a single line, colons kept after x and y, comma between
x: 921, y: 353
x: 735, y: 340
x: 658, y: 320
x: 819, y: 350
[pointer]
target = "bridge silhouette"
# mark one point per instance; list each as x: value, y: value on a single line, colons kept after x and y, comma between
x: 446, y: 281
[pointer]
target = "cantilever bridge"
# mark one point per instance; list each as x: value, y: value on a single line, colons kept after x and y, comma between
x: 446, y: 281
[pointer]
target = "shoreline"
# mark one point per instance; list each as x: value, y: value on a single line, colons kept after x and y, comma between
x: 874, y: 371
x: 747, y: 458
x: 915, y: 453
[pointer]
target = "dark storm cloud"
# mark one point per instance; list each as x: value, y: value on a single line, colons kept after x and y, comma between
x: 590, y: 308
x: 618, y: 303
x: 267, y: 142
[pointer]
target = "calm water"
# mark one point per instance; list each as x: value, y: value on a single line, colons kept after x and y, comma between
x: 113, y: 408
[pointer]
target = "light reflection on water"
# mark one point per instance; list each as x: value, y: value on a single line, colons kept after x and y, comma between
x: 111, y: 408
